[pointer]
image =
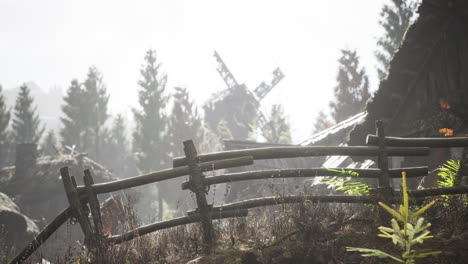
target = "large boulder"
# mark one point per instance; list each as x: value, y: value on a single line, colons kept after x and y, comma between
x: 16, y: 229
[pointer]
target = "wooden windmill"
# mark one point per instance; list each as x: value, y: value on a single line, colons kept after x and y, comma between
x: 238, y: 105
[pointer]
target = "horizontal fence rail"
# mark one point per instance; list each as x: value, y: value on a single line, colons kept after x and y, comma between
x: 298, y: 152
x: 447, y: 142
x: 312, y: 172
x: 143, y: 230
x: 165, y: 175
x: 278, y: 200
x: 439, y: 191
x: 83, y: 199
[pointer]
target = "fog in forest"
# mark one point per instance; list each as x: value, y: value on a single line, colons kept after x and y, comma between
x: 128, y: 96
x: 104, y: 77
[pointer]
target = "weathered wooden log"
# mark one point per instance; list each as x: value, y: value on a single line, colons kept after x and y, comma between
x: 48, y: 230
x: 447, y: 142
x: 143, y: 230
x: 382, y: 157
x: 99, y: 251
x: 439, y: 191
x: 166, y: 175
x: 93, y: 202
x: 76, y: 205
x: 312, y: 172
x: 296, y: 152
x: 197, y: 180
x: 276, y: 200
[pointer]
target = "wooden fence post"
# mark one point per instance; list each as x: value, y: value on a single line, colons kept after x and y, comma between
x: 76, y: 206
x: 198, y: 187
x: 384, y: 190
x: 93, y: 202
x: 99, y: 250
x: 382, y: 159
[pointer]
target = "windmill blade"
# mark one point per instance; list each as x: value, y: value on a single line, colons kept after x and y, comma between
x: 71, y: 149
x: 224, y: 72
x: 263, y: 89
x: 261, y: 119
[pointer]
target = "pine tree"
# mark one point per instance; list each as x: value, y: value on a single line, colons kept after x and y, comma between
x: 395, y: 19
x: 49, y: 145
x: 119, y: 134
x: 151, y: 122
x: 321, y: 123
x: 96, y: 99
x: 4, y: 119
x: 352, y: 91
x: 27, y: 127
x: 116, y: 148
x: 74, y: 121
x: 85, y: 111
x: 277, y: 129
x: 150, y: 135
x: 184, y: 122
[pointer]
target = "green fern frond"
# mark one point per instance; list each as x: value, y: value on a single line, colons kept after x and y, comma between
x: 347, y: 185
x: 449, y: 177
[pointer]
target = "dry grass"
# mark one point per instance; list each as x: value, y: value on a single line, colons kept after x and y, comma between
x: 299, y: 233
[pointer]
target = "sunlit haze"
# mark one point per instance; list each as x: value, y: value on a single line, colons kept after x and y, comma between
x: 51, y: 42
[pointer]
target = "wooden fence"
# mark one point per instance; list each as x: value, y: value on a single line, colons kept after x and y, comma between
x: 83, y: 200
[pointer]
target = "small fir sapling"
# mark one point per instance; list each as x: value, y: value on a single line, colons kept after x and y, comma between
x: 412, y: 231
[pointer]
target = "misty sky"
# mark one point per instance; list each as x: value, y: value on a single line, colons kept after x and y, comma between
x: 50, y: 42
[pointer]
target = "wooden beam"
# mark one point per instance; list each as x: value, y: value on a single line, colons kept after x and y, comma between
x: 277, y: 200
x: 143, y: 230
x: 48, y: 230
x: 312, y: 172
x: 197, y: 180
x: 166, y: 175
x: 93, y: 202
x: 296, y: 152
x: 76, y: 205
x: 439, y: 191
x: 382, y: 157
x: 446, y: 142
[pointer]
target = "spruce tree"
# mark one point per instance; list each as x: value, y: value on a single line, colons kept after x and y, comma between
x: 184, y: 122
x: 277, y: 129
x: 74, y: 121
x: 395, y: 19
x: 116, y: 148
x: 96, y: 99
x: 4, y: 119
x: 352, y: 90
x: 322, y: 122
x: 27, y: 127
x: 49, y: 145
x: 119, y: 134
x: 150, y: 135
x: 85, y: 114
